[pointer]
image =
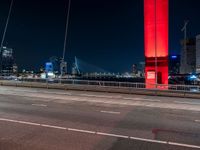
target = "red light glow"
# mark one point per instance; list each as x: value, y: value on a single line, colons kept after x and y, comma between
x: 156, y: 40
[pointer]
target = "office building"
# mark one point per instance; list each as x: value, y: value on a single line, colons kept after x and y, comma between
x: 198, y: 54
x: 174, y: 64
x: 7, y: 61
x: 188, y: 56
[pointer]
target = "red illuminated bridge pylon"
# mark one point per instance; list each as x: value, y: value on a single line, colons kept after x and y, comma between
x: 156, y: 42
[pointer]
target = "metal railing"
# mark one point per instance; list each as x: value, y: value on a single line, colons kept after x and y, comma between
x: 183, y: 88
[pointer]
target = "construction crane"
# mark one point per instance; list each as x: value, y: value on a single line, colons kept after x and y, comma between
x: 184, y: 61
x: 184, y: 29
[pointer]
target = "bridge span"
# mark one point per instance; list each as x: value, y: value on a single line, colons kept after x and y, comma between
x: 38, y: 118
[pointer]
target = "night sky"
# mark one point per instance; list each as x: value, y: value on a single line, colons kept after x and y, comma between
x: 105, y: 33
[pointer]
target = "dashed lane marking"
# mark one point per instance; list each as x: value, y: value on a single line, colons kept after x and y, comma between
x: 99, y: 96
x: 190, y: 103
x: 39, y: 105
x: 142, y: 99
x: 110, y: 112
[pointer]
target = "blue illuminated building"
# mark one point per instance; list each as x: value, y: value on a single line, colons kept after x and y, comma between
x: 174, y: 64
x: 48, y: 67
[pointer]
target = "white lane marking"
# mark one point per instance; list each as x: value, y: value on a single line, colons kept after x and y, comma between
x: 197, y: 121
x: 57, y: 93
x: 148, y: 140
x: 55, y: 127
x: 151, y: 100
x: 101, y: 133
x: 112, y: 135
x: 183, y: 145
x: 142, y: 99
x: 44, y: 92
x: 110, y: 112
x: 100, y: 96
x: 83, y: 131
x: 169, y: 106
x: 20, y: 122
x: 129, y: 98
x: 190, y: 103
x: 39, y: 105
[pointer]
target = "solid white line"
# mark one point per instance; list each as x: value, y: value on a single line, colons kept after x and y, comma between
x: 190, y: 103
x: 83, y: 131
x: 55, y: 127
x: 148, y: 140
x: 39, y: 105
x: 100, y: 133
x: 112, y: 135
x: 21, y: 122
x: 110, y: 112
x: 183, y: 145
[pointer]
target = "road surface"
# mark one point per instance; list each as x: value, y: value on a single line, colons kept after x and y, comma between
x: 41, y: 119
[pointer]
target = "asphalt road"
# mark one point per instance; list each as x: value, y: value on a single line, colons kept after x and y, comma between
x: 41, y: 119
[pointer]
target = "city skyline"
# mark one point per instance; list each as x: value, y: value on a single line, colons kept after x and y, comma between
x: 99, y: 33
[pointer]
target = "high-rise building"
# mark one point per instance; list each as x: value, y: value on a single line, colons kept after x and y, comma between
x: 134, y: 69
x: 49, y: 67
x: 198, y: 54
x: 74, y: 69
x: 188, y: 56
x: 7, y: 61
x: 15, y: 68
x: 56, y: 63
x: 142, y: 67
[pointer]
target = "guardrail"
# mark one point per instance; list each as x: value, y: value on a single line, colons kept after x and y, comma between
x: 182, y: 88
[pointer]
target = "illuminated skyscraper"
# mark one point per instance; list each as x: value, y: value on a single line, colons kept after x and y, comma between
x: 156, y: 42
x: 198, y: 54
x: 7, y: 61
x: 188, y: 56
